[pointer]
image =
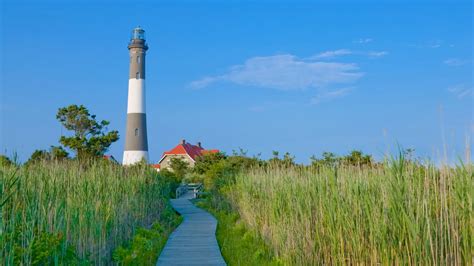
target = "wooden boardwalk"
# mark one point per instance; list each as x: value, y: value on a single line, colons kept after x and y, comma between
x: 194, y: 241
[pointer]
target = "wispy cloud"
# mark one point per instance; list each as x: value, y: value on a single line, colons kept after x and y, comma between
x: 285, y: 72
x: 342, y: 52
x: 377, y: 53
x: 461, y: 91
x: 455, y: 62
x: 363, y: 40
x: 332, y: 54
x: 325, y: 96
x: 433, y: 44
x: 436, y: 44
x: 204, y: 82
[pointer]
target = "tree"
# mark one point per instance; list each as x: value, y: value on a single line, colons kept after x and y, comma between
x: 38, y: 155
x: 288, y: 159
x: 180, y: 168
x: 90, y: 137
x: 54, y: 153
x: 206, y: 161
x: 357, y: 158
x: 58, y: 153
x: 242, y: 162
x: 328, y: 159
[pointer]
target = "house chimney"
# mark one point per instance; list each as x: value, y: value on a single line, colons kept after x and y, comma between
x: 199, y: 145
x: 183, y: 141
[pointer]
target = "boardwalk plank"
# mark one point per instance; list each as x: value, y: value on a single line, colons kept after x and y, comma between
x: 194, y: 241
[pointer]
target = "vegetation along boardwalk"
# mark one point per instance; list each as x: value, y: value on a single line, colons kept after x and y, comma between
x: 194, y: 241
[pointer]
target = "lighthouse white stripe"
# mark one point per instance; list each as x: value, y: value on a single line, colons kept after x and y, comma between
x: 133, y: 157
x: 136, y: 96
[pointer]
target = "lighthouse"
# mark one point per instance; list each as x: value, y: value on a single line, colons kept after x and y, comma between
x: 136, y: 143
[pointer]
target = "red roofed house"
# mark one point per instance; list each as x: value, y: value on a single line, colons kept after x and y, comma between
x: 186, y: 151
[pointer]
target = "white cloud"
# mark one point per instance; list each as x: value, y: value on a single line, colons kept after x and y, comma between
x: 363, y: 40
x: 325, y: 96
x: 204, y: 82
x: 285, y: 72
x: 342, y: 52
x: 433, y: 44
x: 331, y: 54
x: 377, y: 53
x: 461, y: 91
x: 454, y: 62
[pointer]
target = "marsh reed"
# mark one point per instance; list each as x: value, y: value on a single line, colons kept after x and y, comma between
x: 398, y: 213
x: 71, y: 211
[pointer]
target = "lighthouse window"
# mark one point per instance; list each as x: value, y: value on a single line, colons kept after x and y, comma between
x: 136, y: 131
x: 138, y: 59
x: 138, y: 75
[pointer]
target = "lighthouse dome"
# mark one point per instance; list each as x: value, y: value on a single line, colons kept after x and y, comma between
x: 138, y: 33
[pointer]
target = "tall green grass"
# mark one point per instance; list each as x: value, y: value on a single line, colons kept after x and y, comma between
x: 74, y: 213
x: 238, y: 245
x: 394, y: 213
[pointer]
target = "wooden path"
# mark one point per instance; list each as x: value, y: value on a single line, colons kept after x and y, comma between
x: 194, y: 241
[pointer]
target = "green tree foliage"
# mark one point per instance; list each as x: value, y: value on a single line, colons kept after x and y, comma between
x: 180, y: 167
x: 357, y: 158
x: 215, y: 169
x: 170, y: 177
x: 58, y: 153
x: 55, y: 153
x: 240, y: 162
x: 38, y: 155
x: 205, y: 162
x: 354, y: 158
x: 328, y: 159
x: 5, y: 161
x: 287, y: 160
x: 90, y: 138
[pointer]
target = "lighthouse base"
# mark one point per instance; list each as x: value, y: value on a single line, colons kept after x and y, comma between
x: 133, y: 157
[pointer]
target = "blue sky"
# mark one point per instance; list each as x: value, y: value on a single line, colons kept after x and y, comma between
x: 302, y: 77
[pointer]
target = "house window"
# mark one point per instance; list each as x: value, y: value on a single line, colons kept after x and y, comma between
x: 138, y: 75
x: 136, y: 132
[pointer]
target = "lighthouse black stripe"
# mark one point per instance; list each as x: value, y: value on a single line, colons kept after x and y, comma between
x: 137, y: 63
x: 136, y: 137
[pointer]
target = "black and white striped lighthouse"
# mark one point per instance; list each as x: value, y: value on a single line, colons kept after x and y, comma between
x: 136, y: 143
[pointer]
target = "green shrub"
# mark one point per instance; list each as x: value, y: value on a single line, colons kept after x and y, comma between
x: 147, y: 244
